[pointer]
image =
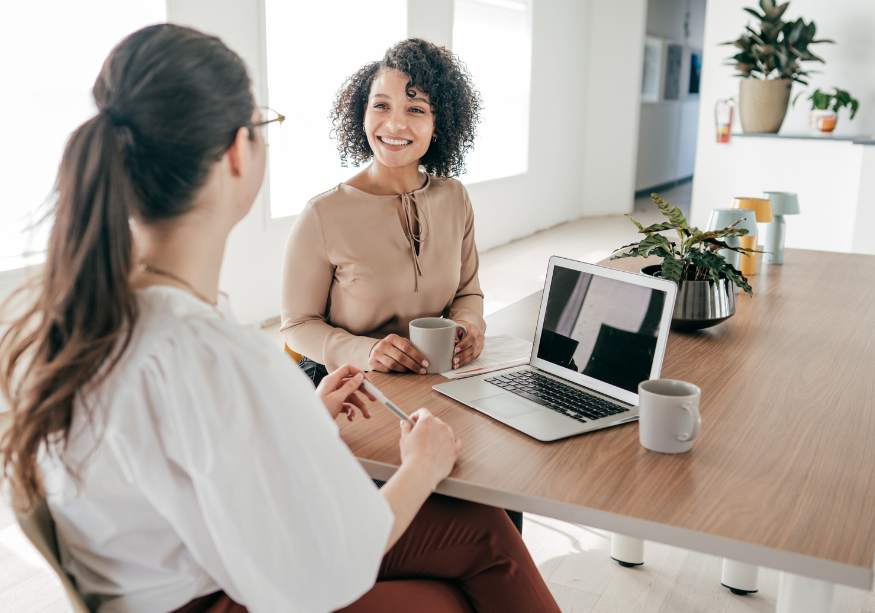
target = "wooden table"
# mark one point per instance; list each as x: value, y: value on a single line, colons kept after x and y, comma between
x: 783, y: 475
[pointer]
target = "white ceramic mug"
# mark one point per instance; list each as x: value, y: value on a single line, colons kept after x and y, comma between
x: 435, y: 337
x: 669, y: 419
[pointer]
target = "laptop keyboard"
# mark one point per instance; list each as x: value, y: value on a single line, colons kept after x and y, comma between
x: 554, y: 395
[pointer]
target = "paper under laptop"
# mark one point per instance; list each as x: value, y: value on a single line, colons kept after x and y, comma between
x: 499, y: 352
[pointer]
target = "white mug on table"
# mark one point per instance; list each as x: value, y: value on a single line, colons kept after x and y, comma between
x: 435, y: 337
x: 669, y: 419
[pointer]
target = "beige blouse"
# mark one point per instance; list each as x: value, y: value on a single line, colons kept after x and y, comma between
x: 356, y: 269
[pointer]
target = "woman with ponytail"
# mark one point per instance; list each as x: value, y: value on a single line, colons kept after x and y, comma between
x: 187, y: 464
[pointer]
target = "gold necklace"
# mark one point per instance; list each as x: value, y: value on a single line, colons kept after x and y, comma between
x: 164, y: 273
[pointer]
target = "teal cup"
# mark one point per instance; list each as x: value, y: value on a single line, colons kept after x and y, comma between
x: 721, y: 218
x: 783, y: 203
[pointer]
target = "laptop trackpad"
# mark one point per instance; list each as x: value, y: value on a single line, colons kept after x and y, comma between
x: 504, y: 406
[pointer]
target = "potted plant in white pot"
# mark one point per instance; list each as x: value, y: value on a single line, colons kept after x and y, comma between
x: 705, y: 279
x: 769, y: 59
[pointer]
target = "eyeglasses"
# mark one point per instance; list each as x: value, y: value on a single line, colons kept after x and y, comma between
x: 270, y: 115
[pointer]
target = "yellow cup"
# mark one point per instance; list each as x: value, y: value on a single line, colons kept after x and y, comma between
x: 762, y: 208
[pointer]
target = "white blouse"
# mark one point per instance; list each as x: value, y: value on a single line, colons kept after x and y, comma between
x: 205, y: 462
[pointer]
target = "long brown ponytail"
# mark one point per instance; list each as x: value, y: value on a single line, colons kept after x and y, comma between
x: 170, y: 101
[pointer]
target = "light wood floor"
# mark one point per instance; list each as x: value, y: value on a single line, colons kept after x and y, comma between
x: 573, y: 559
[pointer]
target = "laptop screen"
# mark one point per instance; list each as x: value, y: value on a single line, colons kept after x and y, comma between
x: 601, y: 327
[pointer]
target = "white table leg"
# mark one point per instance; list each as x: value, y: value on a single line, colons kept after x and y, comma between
x: 803, y: 595
x: 740, y: 578
x: 627, y: 551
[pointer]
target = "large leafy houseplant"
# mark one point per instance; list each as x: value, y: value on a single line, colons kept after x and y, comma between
x: 693, y: 256
x: 774, y: 48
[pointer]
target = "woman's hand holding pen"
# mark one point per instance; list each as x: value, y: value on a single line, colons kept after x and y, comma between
x: 339, y: 392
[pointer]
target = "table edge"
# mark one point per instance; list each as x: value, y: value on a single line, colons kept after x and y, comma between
x: 740, y: 551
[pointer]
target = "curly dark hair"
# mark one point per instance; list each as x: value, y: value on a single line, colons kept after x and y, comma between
x: 437, y: 72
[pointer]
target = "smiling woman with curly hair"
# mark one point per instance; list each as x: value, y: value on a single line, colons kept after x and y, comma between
x: 436, y: 72
x: 396, y: 241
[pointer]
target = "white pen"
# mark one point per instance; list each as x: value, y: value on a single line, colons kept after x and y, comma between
x: 375, y: 391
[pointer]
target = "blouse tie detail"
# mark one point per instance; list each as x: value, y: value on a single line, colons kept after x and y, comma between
x: 414, y: 231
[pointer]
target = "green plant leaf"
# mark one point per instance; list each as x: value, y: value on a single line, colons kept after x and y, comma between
x: 672, y: 269
x: 653, y: 242
x: 781, y: 9
x: 695, y: 238
x: 796, y: 31
x: 637, y: 223
x: 658, y: 227
x: 670, y: 211
x: 618, y: 255
x: 819, y: 100
x: 754, y: 36
x: 734, y: 275
x: 715, y: 244
x: 635, y: 244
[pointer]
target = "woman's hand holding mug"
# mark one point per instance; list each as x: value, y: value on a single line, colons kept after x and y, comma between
x: 468, y: 346
x: 397, y: 354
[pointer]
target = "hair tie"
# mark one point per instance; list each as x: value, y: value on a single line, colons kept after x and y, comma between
x: 118, y: 119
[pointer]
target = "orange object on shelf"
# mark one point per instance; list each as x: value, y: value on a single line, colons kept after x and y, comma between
x: 826, y: 123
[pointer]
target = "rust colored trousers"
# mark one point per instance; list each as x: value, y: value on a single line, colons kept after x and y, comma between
x: 456, y: 556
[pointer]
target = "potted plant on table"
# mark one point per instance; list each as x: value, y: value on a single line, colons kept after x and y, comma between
x: 705, y: 279
x: 769, y: 59
x: 825, y: 107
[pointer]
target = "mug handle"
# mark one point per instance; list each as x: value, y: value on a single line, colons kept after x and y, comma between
x: 696, y: 418
x: 460, y: 327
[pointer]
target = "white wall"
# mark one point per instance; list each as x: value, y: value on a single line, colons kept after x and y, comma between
x: 848, y: 65
x: 863, y: 238
x: 586, y: 70
x: 615, y: 52
x: 549, y: 192
x: 667, y: 129
x: 431, y: 20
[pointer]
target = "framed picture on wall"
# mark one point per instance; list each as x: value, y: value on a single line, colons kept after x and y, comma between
x: 651, y: 76
x: 695, y: 71
x: 673, y: 66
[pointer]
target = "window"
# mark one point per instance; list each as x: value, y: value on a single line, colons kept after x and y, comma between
x: 51, y: 58
x: 500, y: 65
x: 311, y: 48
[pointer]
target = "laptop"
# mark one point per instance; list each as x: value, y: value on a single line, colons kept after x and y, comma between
x: 600, y: 332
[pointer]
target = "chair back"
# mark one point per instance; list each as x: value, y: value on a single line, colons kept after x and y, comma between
x: 297, y: 357
x: 39, y: 528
